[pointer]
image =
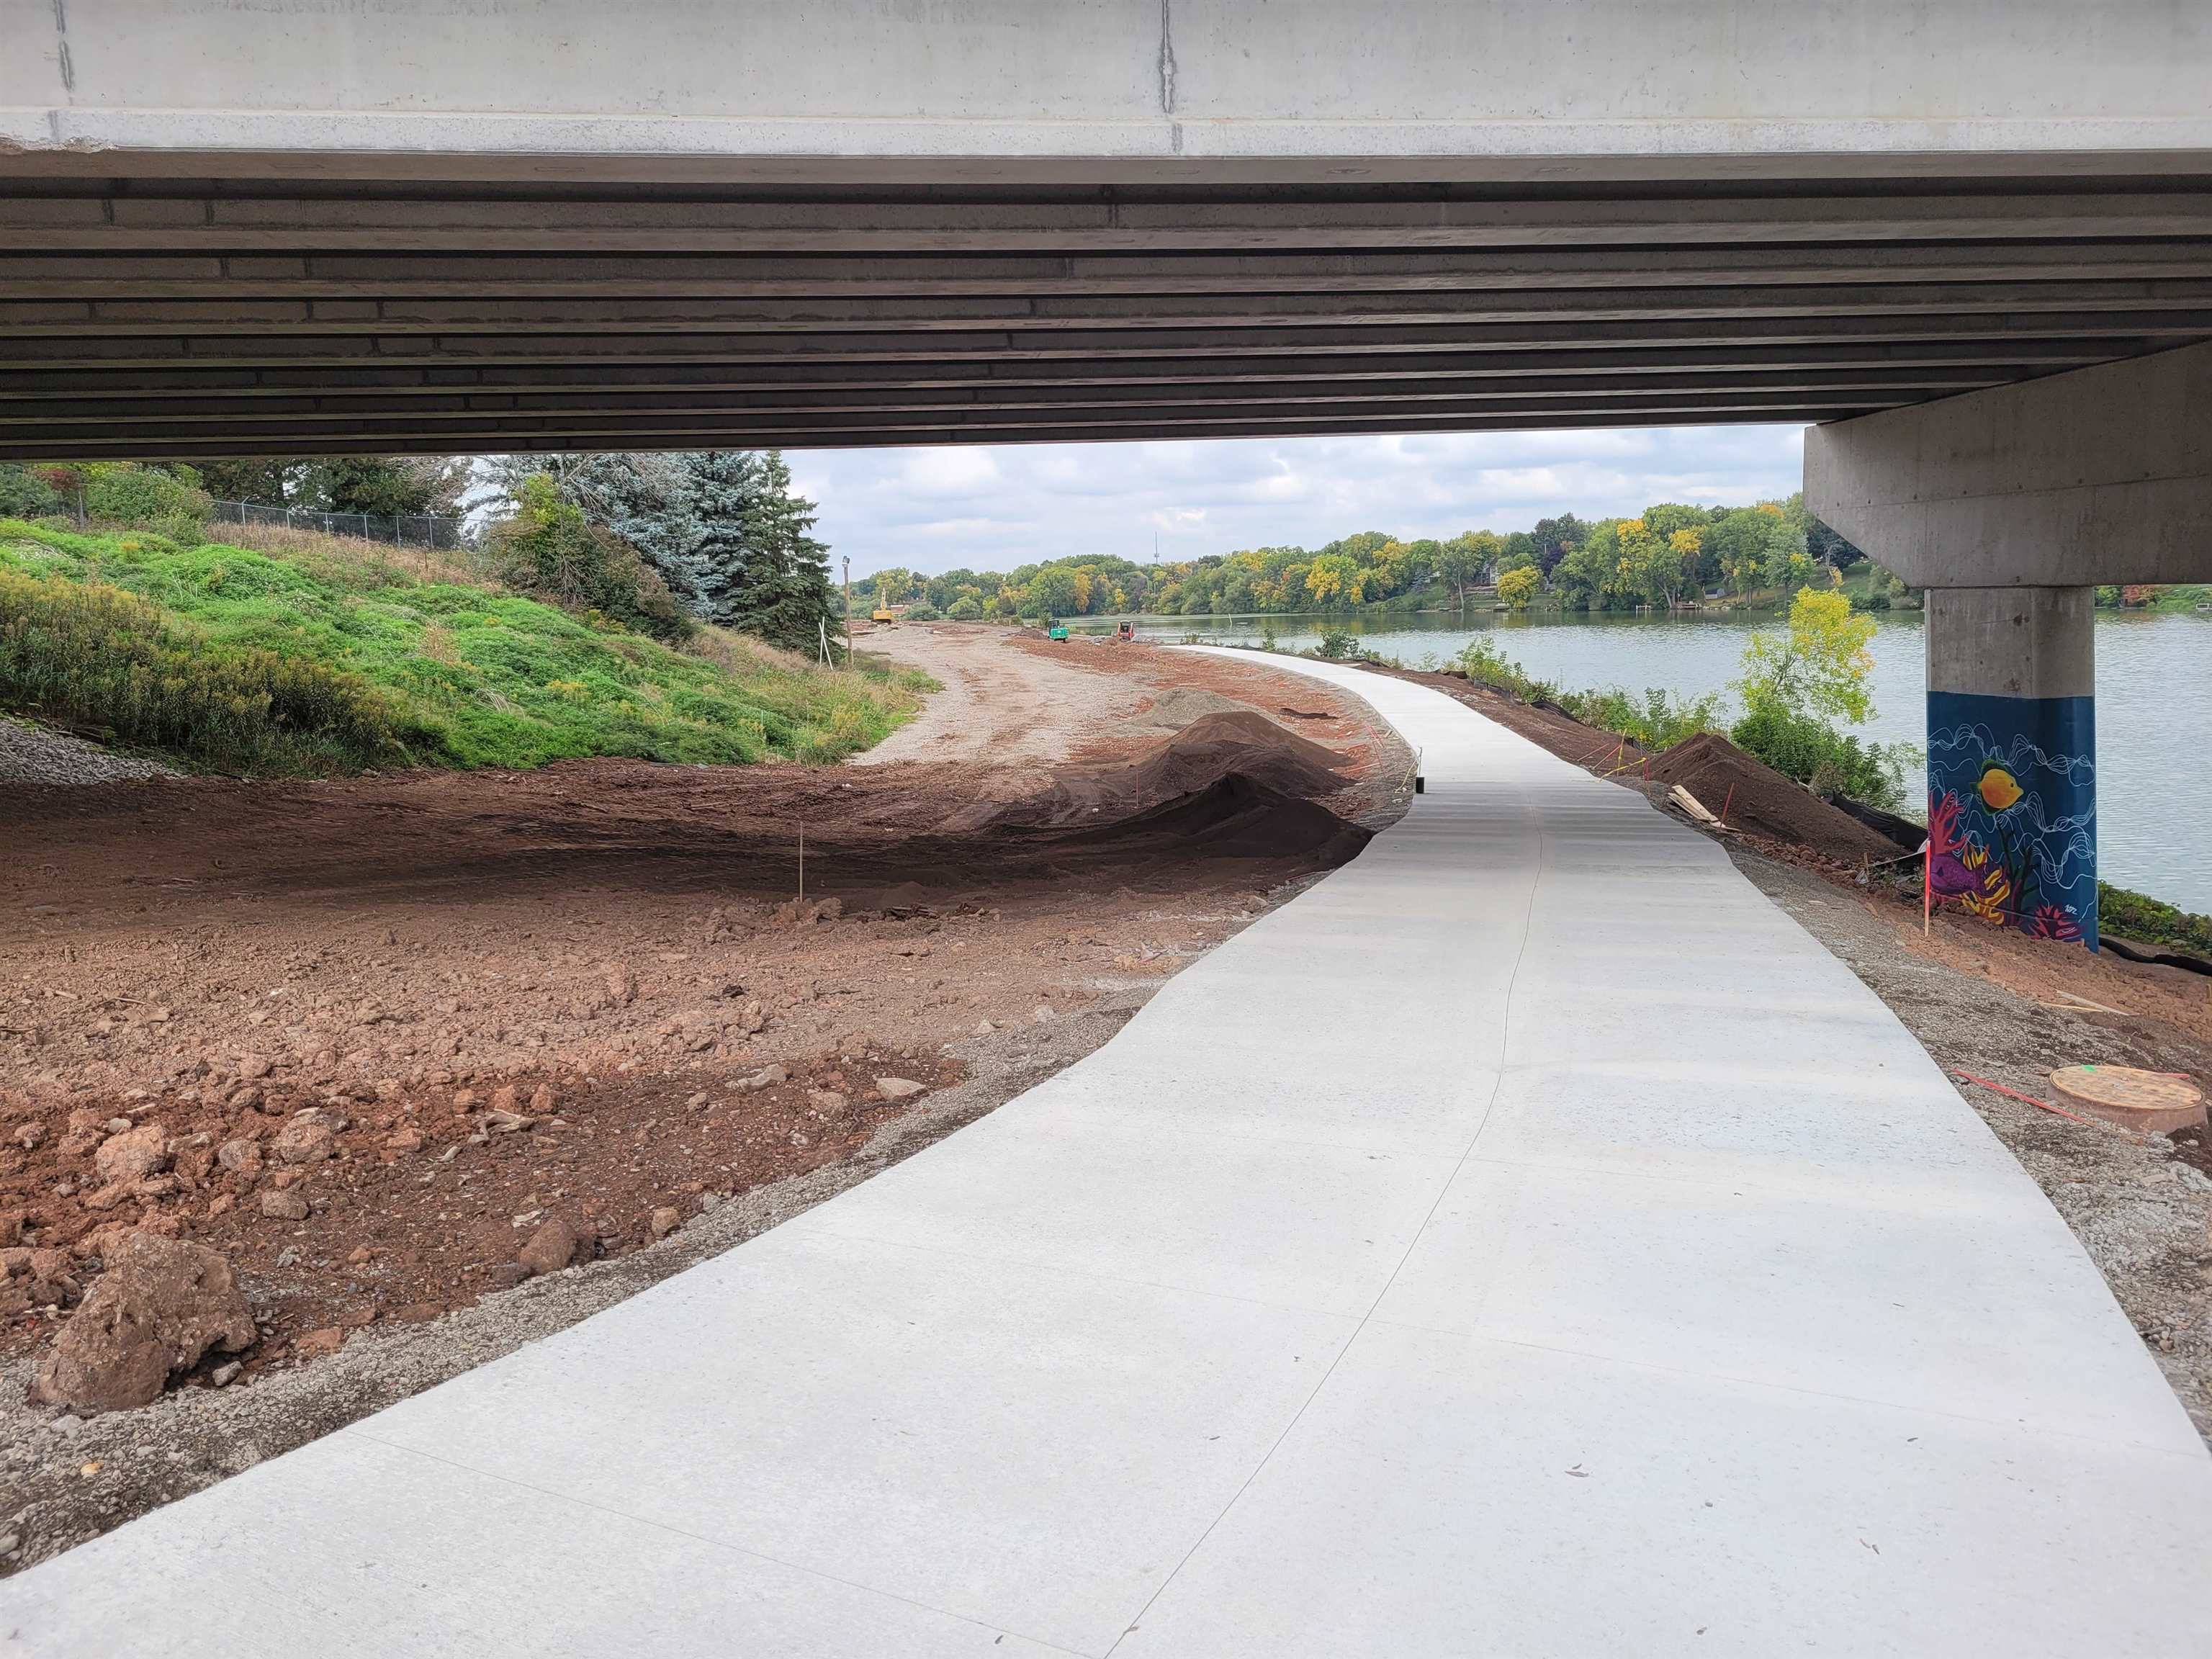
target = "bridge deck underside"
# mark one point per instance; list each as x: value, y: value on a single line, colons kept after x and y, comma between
x: 181, y: 317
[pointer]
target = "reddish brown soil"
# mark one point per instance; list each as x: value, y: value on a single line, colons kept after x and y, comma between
x: 1750, y: 796
x: 395, y: 952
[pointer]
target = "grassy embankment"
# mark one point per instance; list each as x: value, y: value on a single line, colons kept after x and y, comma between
x: 321, y: 655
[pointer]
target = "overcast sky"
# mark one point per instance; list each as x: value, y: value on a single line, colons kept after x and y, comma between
x: 935, y: 509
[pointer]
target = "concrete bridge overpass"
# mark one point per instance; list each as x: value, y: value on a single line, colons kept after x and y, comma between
x: 1973, y: 239
x: 228, y: 229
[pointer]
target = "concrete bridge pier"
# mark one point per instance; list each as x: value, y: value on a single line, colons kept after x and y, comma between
x: 2012, y: 755
x: 2005, y: 505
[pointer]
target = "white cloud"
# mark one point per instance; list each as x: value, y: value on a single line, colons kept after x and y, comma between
x: 991, y: 508
x: 945, y: 473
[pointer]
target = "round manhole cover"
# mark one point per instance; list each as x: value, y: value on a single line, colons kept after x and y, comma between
x: 2163, y: 1101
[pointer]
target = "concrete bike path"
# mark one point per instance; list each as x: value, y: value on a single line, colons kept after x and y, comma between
x: 1528, y: 1242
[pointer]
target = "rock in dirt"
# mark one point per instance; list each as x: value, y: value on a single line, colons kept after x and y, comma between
x: 133, y: 1155
x: 306, y: 1139
x: 829, y: 1105
x: 663, y: 1221
x: 767, y: 1076
x: 239, y: 1157
x: 898, y: 1088
x: 554, y: 1246
x: 313, y: 1345
x: 287, y: 1206
x: 161, y: 1304
x: 36, y: 1279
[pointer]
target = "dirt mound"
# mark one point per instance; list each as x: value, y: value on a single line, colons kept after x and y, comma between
x: 1173, y: 710
x: 1757, y: 798
x: 1239, y: 743
x: 1235, y: 817
x: 1232, y: 784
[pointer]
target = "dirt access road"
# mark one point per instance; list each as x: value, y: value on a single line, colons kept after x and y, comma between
x: 586, y: 994
x: 1101, y: 695
x: 984, y: 711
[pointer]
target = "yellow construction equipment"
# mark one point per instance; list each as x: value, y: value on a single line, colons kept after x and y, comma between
x: 881, y: 613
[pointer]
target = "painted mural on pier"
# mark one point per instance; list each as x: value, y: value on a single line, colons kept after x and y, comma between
x: 2012, y: 811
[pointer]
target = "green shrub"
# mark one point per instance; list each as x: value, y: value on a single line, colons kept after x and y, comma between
x: 181, y: 528
x: 1657, y: 720
x: 1337, y: 644
x: 923, y: 610
x: 967, y: 608
x: 1814, y: 753
x: 2152, y: 921
x: 125, y: 493
x: 24, y: 495
x: 1485, y: 664
x: 96, y: 655
x: 549, y: 548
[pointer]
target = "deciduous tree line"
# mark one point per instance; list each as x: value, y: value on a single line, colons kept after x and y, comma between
x: 1668, y: 554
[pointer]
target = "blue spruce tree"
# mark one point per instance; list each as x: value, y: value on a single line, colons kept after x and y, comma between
x: 721, y: 490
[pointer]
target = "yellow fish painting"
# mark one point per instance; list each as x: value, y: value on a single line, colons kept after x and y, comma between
x: 1999, y: 788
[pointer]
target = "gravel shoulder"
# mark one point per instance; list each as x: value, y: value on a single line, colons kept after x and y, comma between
x: 31, y: 754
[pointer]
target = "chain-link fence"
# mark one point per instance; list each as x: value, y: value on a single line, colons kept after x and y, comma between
x: 400, y: 529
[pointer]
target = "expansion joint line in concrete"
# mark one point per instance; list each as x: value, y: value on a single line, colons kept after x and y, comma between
x: 1412, y: 1243
x: 700, y: 1538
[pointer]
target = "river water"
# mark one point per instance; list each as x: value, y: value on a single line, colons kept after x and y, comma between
x: 2154, y: 702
